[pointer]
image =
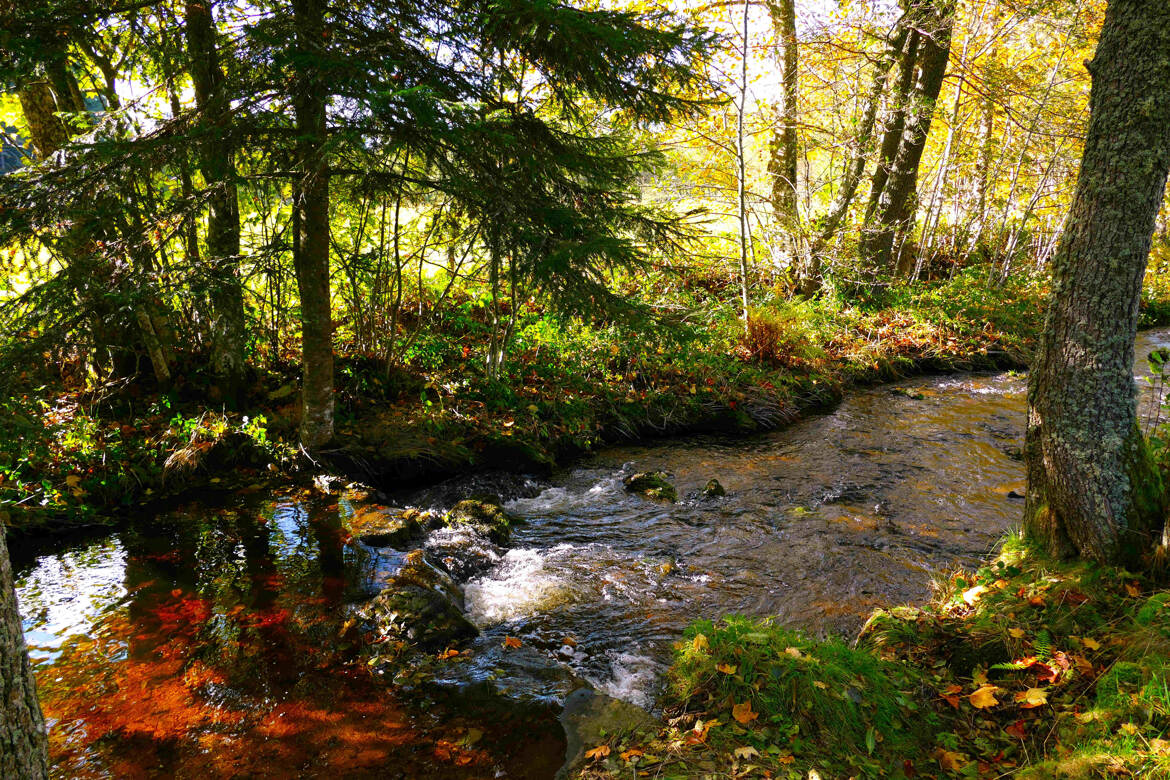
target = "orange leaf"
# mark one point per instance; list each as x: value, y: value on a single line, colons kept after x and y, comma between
x: 632, y: 753
x: 448, y: 653
x: 743, y: 713
x: 726, y: 668
x: 597, y: 753
x: 1017, y: 730
x: 984, y: 697
x: 514, y: 643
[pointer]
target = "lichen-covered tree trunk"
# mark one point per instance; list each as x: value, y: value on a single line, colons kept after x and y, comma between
x: 897, y: 202
x: 1092, y: 491
x: 23, y: 741
x: 217, y: 153
x: 782, y: 163
x: 311, y: 228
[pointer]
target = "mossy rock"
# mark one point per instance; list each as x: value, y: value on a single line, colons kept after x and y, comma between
x: 385, y: 527
x: 651, y: 484
x: 486, y: 516
x: 419, y: 616
x: 713, y: 489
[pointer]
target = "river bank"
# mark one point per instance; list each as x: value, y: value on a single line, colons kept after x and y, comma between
x: 71, y: 458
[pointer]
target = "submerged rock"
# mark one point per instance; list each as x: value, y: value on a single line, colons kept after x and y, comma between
x: 713, y: 489
x: 485, y: 515
x: 591, y: 718
x: 651, y: 484
x: 386, y: 527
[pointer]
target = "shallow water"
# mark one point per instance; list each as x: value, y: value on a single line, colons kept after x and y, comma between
x: 217, y: 640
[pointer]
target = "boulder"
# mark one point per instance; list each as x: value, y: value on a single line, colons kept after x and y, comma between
x: 385, y: 527
x: 651, y: 484
x: 420, y: 616
x: 485, y: 515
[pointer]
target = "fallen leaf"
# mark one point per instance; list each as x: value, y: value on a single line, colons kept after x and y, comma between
x: 1091, y: 644
x: 743, y: 713
x: 72, y: 480
x: 1016, y: 633
x: 1033, y: 697
x: 979, y: 677
x: 745, y: 752
x: 700, y: 644
x: 949, y: 760
x: 1129, y: 728
x: 787, y: 758
x: 984, y: 697
x: 512, y: 642
x: 1017, y: 730
x: 821, y: 685
x: 597, y: 753
x: 794, y: 652
x: 971, y: 595
x: 473, y: 735
x: 631, y: 754
x: 726, y: 668
x: 1133, y: 590
x: 448, y: 653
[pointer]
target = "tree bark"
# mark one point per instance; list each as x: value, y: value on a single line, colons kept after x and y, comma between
x: 895, y: 123
x: 897, y: 201
x: 311, y: 227
x: 24, y: 746
x: 1092, y: 490
x: 217, y: 153
x: 782, y: 163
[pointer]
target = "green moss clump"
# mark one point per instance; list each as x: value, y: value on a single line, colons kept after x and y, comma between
x: 652, y: 484
x: 485, y: 516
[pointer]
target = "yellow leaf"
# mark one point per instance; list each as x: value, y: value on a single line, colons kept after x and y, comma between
x: 512, y: 642
x: 743, y: 713
x: 1016, y: 633
x: 726, y: 668
x: 984, y: 697
x: 1129, y: 728
x: 745, y: 752
x: 597, y: 753
x: 971, y: 595
x: 950, y: 760
x: 1091, y: 644
x: 1133, y: 590
x: 700, y: 644
x: 795, y: 653
x: 1033, y: 697
x: 72, y: 480
x: 787, y: 758
x: 820, y: 685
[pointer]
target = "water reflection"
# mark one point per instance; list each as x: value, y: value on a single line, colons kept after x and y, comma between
x: 215, y: 642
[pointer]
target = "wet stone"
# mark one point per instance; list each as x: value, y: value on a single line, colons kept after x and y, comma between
x: 386, y: 527
x: 420, y: 616
x: 462, y: 551
x: 713, y: 489
x: 592, y: 718
x: 483, y: 515
x: 651, y: 484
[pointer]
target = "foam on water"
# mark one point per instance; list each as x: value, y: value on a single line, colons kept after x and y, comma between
x: 632, y: 677
x: 521, y: 584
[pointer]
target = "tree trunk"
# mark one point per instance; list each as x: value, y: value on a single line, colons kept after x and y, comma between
x: 228, y: 324
x: 741, y: 169
x: 810, y: 281
x: 24, y: 746
x: 311, y: 228
x: 782, y: 164
x: 1092, y: 490
x: 897, y: 202
x: 39, y: 105
x: 895, y: 123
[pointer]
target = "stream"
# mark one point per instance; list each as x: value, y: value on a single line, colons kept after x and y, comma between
x: 217, y: 640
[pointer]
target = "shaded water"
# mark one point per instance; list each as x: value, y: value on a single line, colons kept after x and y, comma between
x: 218, y: 641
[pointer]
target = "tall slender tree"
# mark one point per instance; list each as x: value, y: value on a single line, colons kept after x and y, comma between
x: 784, y: 151
x: 1092, y: 490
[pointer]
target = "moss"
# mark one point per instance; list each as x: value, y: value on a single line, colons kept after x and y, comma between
x: 652, y: 484
x: 486, y: 516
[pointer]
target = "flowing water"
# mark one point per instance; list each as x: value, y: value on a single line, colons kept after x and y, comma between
x: 218, y: 640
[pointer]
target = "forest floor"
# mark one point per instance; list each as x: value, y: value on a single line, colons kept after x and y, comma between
x: 1029, y: 668
x: 70, y: 458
